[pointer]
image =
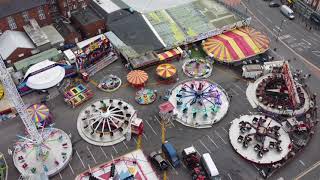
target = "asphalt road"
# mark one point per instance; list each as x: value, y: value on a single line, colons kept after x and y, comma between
x: 213, y: 140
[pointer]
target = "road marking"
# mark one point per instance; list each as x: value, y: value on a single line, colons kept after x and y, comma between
x: 310, y: 44
x: 315, y: 165
x: 316, y: 34
x: 268, y: 19
x: 151, y: 127
x: 286, y: 36
x: 104, y: 153
x: 165, y: 175
x: 80, y: 159
x: 317, y: 53
x: 224, y: 130
x: 163, y: 132
x: 229, y: 176
x: 220, y: 137
x: 213, y: 142
x: 237, y: 86
x: 71, y: 169
x: 157, y: 120
x: 145, y: 136
x: 115, y: 149
x: 260, y: 12
x: 176, y: 172
x: 292, y: 50
x: 196, y: 150
x: 234, y: 91
x: 204, y: 146
x: 279, y: 29
x: 60, y: 175
x: 255, y: 167
x: 92, y: 155
x: 302, y: 163
x: 125, y: 145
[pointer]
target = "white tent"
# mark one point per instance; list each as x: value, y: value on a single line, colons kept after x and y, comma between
x: 42, y: 76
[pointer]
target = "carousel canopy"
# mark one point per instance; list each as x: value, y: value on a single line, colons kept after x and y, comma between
x: 44, y: 75
x: 137, y: 77
x: 166, y: 70
x: 38, y: 112
x: 236, y: 45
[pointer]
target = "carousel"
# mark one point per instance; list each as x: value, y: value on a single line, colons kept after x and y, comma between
x: 145, y: 96
x: 259, y: 139
x: 106, y: 122
x: 197, y: 68
x: 40, y: 114
x: 236, y: 45
x: 110, y: 83
x: 137, y: 78
x: 166, y: 71
x: 199, y: 103
x: 49, y: 157
x: 279, y: 93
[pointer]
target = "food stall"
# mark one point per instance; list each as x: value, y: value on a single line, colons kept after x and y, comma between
x: 137, y: 78
x: 78, y: 95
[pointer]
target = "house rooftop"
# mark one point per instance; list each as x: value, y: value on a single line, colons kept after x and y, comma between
x: 85, y: 16
x: 9, y: 7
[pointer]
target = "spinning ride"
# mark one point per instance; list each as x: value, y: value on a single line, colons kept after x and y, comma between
x: 145, y: 96
x: 105, y: 122
x: 40, y: 114
x: 166, y: 71
x: 259, y: 139
x: 199, y: 103
x: 137, y: 78
x: 197, y: 68
x: 110, y: 83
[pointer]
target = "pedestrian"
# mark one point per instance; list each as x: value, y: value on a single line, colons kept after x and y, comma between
x: 9, y: 152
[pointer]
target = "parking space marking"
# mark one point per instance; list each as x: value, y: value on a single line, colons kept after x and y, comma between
x: 104, y: 153
x: 302, y: 163
x: 196, y: 150
x: 316, y: 34
x: 204, y: 146
x: 220, y: 137
x: 260, y: 12
x: 268, y: 19
x: 184, y: 165
x: 235, y: 92
x: 151, y: 127
x: 213, y: 142
x: 229, y: 176
x: 115, y: 149
x: 125, y: 145
x: 94, y: 159
x: 135, y: 140
x: 224, y: 130
x: 71, y: 168
x: 315, y: 165
x: 145, y: 136
x: 237, y: 86
x: 80, y: 159
x: 60, y: 175
x: 157, y: 120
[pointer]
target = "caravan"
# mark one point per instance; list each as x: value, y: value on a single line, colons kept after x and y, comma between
x: 285, y: 10
x: 210, y: 167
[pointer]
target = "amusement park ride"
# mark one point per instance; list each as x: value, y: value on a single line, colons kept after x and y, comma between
x: 34, y: 148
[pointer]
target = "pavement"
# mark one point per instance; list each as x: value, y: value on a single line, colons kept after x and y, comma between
x: 214, y: 140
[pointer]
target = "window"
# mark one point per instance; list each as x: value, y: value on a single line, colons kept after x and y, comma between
x: 25, y: 16
x: 41, y: 13
x: 12, y: 23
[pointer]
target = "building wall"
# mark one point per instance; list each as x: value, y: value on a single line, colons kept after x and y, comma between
x: 19, y: 20
x: 92, y: 29
x: 66, y: 6
x: 71, y: 38
x: 19, y: 54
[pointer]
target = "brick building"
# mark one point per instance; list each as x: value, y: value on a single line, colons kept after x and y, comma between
x: 14, y: 14
x: 66, y: 7
x: 88, y: 22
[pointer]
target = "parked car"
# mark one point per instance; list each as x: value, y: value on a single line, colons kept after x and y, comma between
x: 285, y: 10
x: 158, y: 161
x: 171, y: 154
x: 274, y: 4
x: 191, y: 159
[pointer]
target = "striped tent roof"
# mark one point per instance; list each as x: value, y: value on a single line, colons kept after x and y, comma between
x: 236, y: 45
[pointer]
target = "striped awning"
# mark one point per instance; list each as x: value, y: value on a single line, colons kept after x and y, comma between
x: 169, y: 54
x: 236, y: 45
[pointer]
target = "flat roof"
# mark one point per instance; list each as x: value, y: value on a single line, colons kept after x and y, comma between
x: 35, y: 33
x: 88, y: 41
x: 85, y: 16
x: 108, y: 5
x: 53, y: 35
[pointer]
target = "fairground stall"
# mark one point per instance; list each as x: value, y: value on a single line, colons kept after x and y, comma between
x: 131, y: 166
x: 236, y: 45
x: 167, y: 72
x: 77, y: 95
x: 40, y: 114
x: 137, y: 78
x: 107, y: 122
x: 94, y: 54
x: 199, y: 103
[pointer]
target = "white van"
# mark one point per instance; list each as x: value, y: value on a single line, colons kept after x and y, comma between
x: 210, y: 167
x: 287, y: 11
